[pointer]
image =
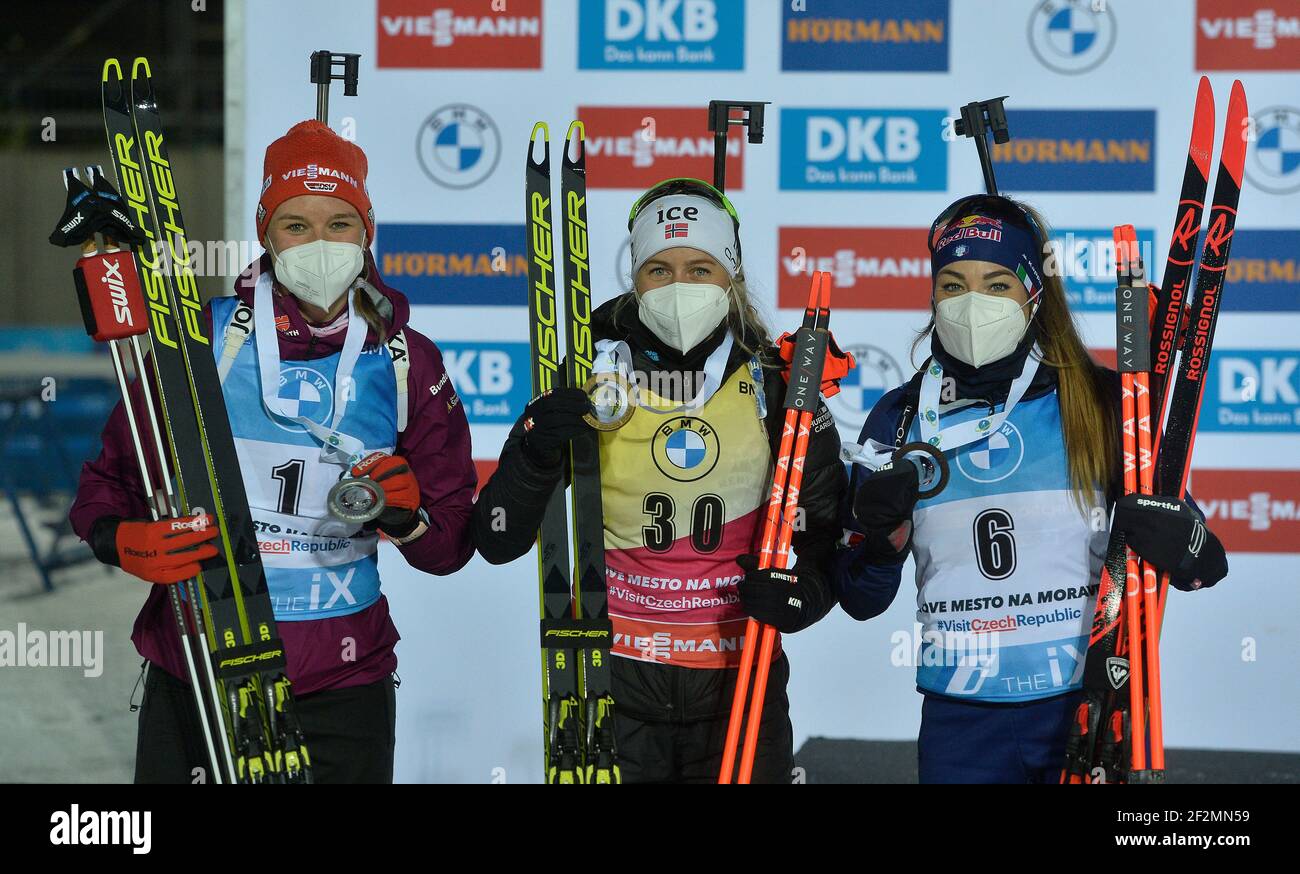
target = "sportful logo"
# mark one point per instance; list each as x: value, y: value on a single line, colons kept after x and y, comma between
x: 661, y: 35
x: 1071, y: 36
x: 1239, y: 35
x: 1274, y: 159
x: 455, y: 34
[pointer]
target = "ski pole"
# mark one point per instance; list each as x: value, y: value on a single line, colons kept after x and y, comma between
x: 802, y: 394
x: 113, y: 310
x: 1133, y: 346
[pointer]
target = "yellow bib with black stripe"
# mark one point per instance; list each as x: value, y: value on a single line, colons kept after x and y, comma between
x: 684, y: 494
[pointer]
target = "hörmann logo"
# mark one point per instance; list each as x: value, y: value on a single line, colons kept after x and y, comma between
x: 454, y: 265
x: 1078, y: 150
x: 1245, y: 35
x: 456, y: 34
x: 884, y: 35
x: 1264, y: 273
x: 148, y: 252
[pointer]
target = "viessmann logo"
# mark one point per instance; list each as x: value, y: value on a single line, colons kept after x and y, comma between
x: 873, y: 268
x: 1251, y: 510
x: 635, y: 147
x: 467, y: 34
x: 1245, y: 35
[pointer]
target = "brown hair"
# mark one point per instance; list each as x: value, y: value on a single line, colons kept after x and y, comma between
x: 1088, y: 418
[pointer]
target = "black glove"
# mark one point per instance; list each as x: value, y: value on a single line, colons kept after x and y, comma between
x: 1170, y: 535
x: 772, y: 596
x: 551, y: 420
x: 883, y: 507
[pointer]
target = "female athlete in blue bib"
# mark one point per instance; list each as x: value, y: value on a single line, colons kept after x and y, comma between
x: 1009, y: 553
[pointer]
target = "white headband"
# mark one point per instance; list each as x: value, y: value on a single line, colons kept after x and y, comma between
x: 685, y: 220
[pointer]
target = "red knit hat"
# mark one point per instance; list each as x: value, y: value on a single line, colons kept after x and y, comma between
x: 312, y: 159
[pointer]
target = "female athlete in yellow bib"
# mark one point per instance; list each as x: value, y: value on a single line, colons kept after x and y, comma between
x: 683, y: 483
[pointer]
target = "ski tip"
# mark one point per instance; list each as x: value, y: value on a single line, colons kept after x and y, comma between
x: 577, y: 126
x: 540, y: 126
x: 1201, y: 149
x: 136, y: 66
x: 112, y: 64
x: 1234, y: 142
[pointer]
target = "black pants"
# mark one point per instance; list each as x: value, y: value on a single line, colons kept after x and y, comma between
x: 691, y: 752
x: 350, y: 732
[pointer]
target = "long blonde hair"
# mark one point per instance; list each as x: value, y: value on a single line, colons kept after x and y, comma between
x: 1084, y: 396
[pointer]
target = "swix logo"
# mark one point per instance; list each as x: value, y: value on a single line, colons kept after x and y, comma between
x: 1251, y: 510
x: 315, y: 171
x: 873, y: 268
x: 456, y: 34
x: 1239, y: 35
x: 76, y: 220
x: 117, y: 291
x: 640, y: 146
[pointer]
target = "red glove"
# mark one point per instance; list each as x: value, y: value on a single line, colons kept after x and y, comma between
x: 166, y: 551
x: 400, y: 517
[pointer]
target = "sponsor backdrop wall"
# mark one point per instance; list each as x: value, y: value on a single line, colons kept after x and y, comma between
x: 855, y: 166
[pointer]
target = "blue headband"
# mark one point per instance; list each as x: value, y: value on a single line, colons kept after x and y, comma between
x: 985, y: 238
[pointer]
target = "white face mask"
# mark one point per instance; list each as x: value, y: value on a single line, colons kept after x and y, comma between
x: 319, y: 272
x: 683, y: 313
x: 979, y: 328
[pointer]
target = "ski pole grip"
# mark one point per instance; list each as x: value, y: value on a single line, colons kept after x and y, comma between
x: 108, y: 288
x: 806, y: 367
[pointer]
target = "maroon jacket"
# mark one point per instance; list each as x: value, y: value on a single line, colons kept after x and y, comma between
x: 436, y: 444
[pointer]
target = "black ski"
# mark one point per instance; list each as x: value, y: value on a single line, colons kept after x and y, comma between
x: 590, y: 594
x: 561, y: 716
x: 262, y: 726
x: 1096, y: 749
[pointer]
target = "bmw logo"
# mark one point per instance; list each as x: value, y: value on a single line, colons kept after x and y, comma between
x: 685, y: 449
x: 304, y: 393
x: 877, y: 372
x: 1274, y: 163
x: 458, y: 146
x: 1071, y: 36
